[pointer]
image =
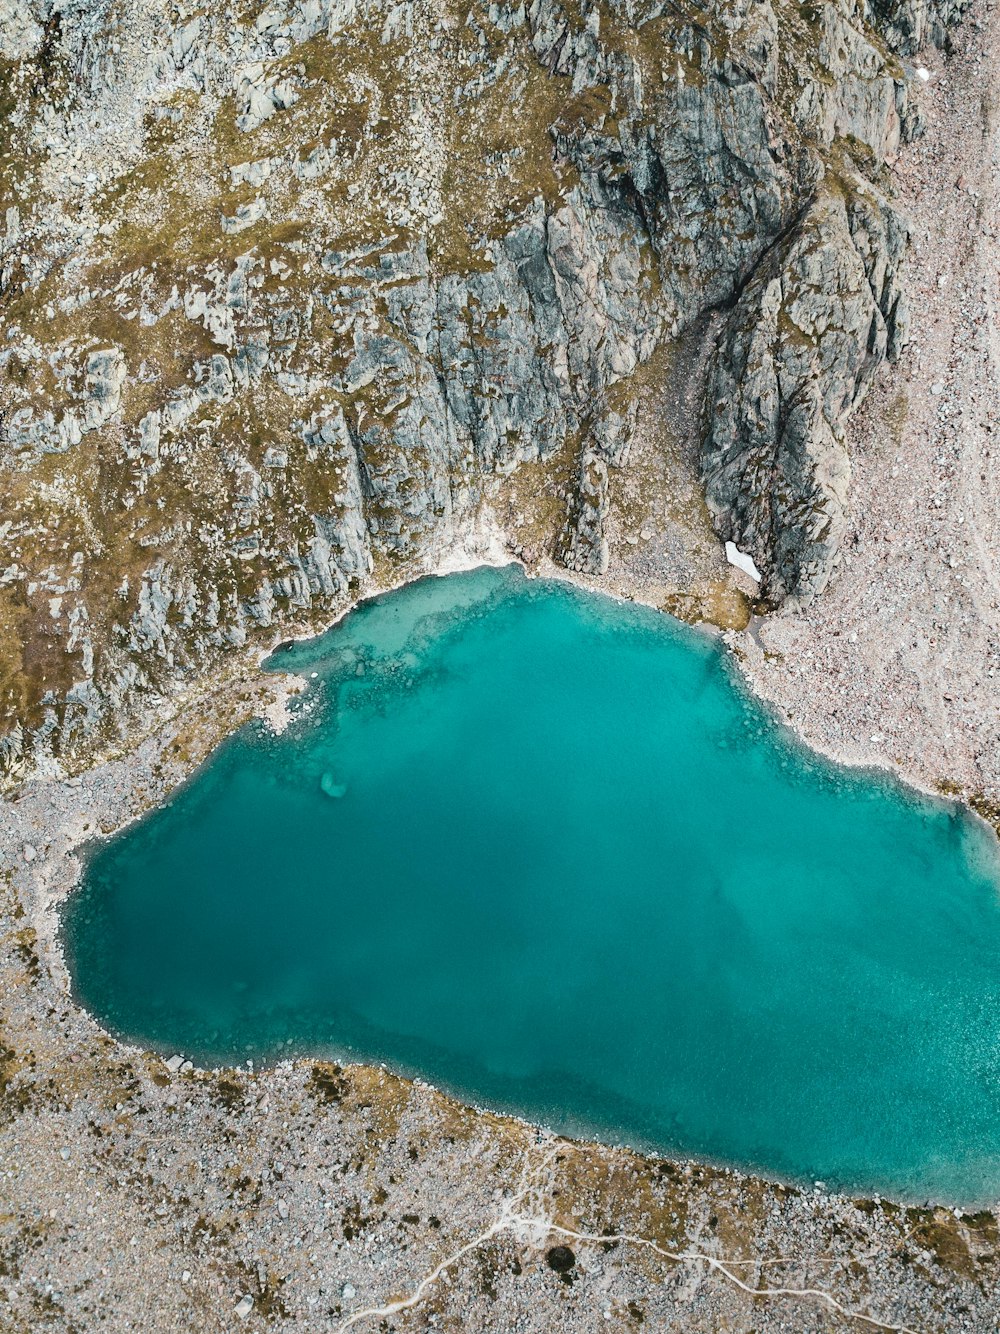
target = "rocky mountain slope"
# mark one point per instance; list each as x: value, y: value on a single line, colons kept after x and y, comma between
x: 513, y: 251
x: 294, y: 301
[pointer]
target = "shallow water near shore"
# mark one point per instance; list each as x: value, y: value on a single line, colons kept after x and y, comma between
x: 544, y: 850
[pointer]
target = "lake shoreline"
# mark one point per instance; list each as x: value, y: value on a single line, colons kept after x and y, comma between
x: 109, y: 1157
x: 419, y: 667
x: 114, y: 789
x: 135, y: 769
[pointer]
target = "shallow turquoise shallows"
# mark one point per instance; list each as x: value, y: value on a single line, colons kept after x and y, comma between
x: 542, y: 849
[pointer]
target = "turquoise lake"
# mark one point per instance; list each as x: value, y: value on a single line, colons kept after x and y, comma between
x: 543, y: 849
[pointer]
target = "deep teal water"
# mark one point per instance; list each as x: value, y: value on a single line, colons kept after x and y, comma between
x: 542, y: 849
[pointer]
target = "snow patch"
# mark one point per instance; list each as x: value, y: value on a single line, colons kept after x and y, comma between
x: 742, y: 561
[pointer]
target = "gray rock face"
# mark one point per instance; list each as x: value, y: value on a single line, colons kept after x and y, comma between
x: 320, y: 374
x: 794, y: 358
x: 471, y: 376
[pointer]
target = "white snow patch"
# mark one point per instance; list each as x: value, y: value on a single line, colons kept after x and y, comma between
x: 742, y: 561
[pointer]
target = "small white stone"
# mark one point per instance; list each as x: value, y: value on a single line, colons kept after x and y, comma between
x: 29, y: 853
x: 64, y: 1155
x: 174, y: 1063
x: 186, y: 1276
x: 348, y: 1292
x: 244, y: 1306
x: 282, y: 1209
x: 923, y: 74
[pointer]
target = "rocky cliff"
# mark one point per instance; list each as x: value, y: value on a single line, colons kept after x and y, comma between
x: 295, y: 299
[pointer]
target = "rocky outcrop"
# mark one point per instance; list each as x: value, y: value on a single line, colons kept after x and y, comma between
x: 798, y: 350
x: 296, y: 299
x: 794, y: 358
x: 582, y: 544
